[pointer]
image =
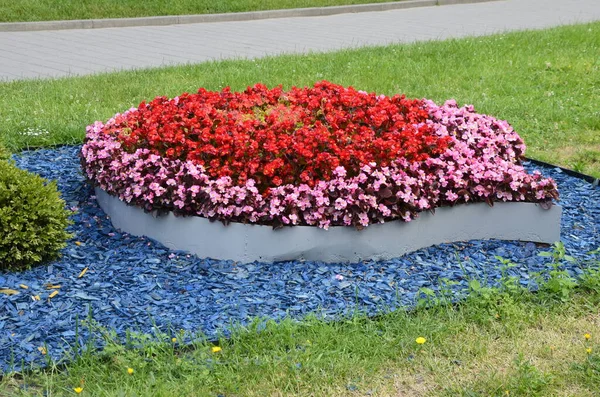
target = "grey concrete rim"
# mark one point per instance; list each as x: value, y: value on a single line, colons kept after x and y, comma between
x: 228, y: 17
x: 247, y: 243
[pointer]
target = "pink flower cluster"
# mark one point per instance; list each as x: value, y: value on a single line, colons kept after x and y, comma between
x: 482, y: 163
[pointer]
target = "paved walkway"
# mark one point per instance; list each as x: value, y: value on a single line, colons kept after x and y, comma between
x: 76, y: 52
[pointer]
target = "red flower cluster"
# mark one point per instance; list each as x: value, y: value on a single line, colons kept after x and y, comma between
x: 277, y: 137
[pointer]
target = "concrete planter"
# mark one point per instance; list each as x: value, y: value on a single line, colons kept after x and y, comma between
x: 248, y: 243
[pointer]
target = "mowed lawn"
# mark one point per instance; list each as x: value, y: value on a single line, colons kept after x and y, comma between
x: 49, y: 10
x: 545, y: 83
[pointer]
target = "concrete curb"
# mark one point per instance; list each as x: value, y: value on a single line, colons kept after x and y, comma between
x: 248, y: 243
x: 229, y: 17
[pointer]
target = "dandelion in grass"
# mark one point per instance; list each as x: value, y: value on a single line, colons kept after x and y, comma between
x: 174, y: 340
x: 130, y: 371
x: 587, y: 336
x: 420, y: 340
x: 78, y: 390
x: 216, y: 349
x: 588, y: 350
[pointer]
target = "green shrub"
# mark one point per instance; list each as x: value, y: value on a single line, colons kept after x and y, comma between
x: 4, y: 153
x: 33, y: 219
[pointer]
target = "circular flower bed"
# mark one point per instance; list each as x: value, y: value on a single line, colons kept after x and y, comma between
x: 324, y: 155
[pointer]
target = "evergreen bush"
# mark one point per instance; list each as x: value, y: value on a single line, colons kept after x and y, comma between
x: 33, y: 219
x: 4, y: 153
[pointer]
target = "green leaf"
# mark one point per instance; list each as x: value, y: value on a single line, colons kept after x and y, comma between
x: 427, y: 291
x: 475, y: 285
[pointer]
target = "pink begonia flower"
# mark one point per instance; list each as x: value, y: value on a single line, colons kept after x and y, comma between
x: 340, y: 204
x: 451, y: 196
x: 340, y: 172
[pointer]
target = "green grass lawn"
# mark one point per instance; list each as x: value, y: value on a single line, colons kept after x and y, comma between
x: 50, y: 10
x: 545, y: 83
x: 498, y: 342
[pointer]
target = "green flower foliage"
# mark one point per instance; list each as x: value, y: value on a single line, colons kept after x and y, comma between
x: 33, y: 219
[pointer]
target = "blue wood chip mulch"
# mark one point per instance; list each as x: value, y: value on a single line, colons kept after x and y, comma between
x: 136, y: 283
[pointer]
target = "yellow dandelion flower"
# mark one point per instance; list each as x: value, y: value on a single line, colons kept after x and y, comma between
x: 174, y: 340
x: 130, y: 371
x: 588, y: 350
x: 216, y: 349
x: 420, y: 340
x: 587, y: 336
x: 78, y: 389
